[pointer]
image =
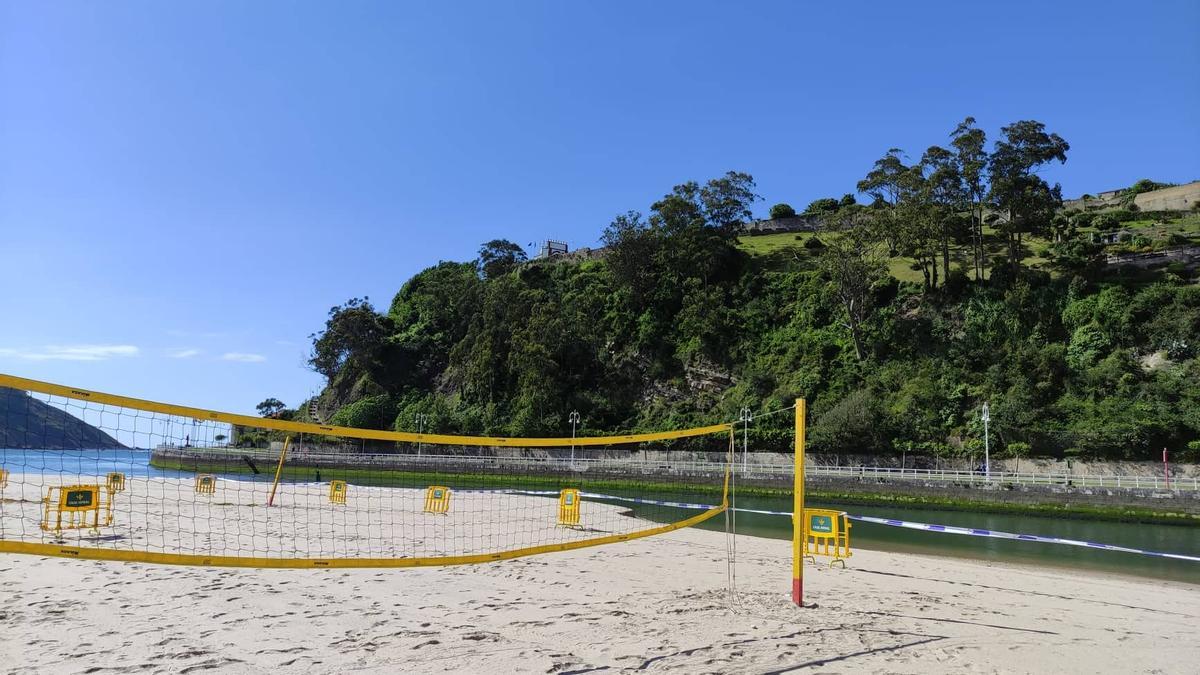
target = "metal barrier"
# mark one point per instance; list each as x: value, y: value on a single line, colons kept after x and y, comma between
x: 678, y: 467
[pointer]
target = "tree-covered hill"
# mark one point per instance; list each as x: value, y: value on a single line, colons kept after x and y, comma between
x: 896, y: 320
x: 26, y: 422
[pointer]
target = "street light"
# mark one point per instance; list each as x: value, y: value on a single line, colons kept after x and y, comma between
x: 422, y: 419
x: 574, y: 419
x: 986, y: 415
x: 745, y: 417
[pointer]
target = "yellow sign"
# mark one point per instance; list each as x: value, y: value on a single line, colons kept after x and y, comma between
x: 206, y: 484
x: 73, y: 507
x: 568, y: 507
x: 437, y: 499
x: 827, y: 533
x: 115, y: 482
x: 337, y: 492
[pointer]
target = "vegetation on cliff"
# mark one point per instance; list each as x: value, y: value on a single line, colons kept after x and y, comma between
x: 961, y: 280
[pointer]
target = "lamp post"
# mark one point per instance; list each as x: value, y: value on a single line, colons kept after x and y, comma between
x: 422, y: 419
x: 574, y: 419
x: 986, y: 415
x: 745, y: 417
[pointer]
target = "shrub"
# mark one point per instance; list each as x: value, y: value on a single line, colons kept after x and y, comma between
x: 782, y: 210
x: 1105, y: 221
x: 814, y: 244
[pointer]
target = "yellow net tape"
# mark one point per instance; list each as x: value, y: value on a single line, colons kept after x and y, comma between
x: 202, y: 487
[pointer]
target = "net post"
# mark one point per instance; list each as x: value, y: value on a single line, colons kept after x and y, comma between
x: 278, y: 471
x: 798, y: 510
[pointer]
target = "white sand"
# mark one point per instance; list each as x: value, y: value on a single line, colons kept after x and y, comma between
x: 651, y: 605
x: 166, y: 515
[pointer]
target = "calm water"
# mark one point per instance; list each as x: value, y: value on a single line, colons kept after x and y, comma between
x: 1165, y: 538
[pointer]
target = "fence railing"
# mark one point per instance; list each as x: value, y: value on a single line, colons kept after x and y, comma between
x: 680, y: 468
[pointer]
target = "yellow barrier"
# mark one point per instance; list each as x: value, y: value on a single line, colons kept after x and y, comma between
x: 337, y: 492
x: 3, y: 478
x: 115, y: 482
x: 206, y: 484
x: 437, y: 499
x: 78, y: 505
x: 568, y: 507
x: 827, y: 533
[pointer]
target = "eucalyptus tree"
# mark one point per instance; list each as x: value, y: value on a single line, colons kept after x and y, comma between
x: 885, y: 184
x: 1026, y: 201
x: 971, y: 157
x: 854, y: 262
x: 943, y: 194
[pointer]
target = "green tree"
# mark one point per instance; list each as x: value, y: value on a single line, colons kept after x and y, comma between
x: 782, y: 210
x: 499, y: 256
x: 886, y: 183
x: 354, y: 337
x: 822, y: 206
x: 854, y: 264
x: 971, y: 159
x: 270, y: 407
x: 1027, y: 201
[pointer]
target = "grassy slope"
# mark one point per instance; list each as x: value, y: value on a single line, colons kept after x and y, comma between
x: 788, y: 247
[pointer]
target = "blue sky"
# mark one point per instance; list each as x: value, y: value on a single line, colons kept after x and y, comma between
x: 186, y: 188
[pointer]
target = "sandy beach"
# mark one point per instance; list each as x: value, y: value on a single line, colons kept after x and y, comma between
x: 653, y: 605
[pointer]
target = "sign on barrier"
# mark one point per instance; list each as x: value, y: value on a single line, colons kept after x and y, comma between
x: 73, y: 507
x: 827, y: 533
x: 115, y: 482
x: 206, y: 484
x: 437, y: 499
x: 337, y: 492
x: 568, y: 507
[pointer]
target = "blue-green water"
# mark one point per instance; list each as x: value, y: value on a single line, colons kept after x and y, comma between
x: 1163, y: 538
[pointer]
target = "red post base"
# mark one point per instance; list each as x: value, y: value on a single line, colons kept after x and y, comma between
x: 798, y: 592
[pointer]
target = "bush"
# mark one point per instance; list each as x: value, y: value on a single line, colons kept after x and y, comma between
x: 373, y: 412
x: 782, y: 210
x: 1105, y: 222
x: 812, y: 243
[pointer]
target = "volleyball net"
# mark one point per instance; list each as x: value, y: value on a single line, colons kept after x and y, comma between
x: 85, y: 474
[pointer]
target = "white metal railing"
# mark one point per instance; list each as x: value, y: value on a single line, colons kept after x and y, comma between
x: 683, y: 467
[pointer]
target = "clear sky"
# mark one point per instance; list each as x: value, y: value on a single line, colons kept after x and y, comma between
x: 186, y: 188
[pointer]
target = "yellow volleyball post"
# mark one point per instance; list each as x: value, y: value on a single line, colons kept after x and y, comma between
x: 798, y: 524
x: 278, y: 471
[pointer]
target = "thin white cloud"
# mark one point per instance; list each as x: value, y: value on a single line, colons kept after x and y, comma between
x: 182, y: 353
x: 72, y: 352
x: 243, y: 357
x: 175, y: 332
